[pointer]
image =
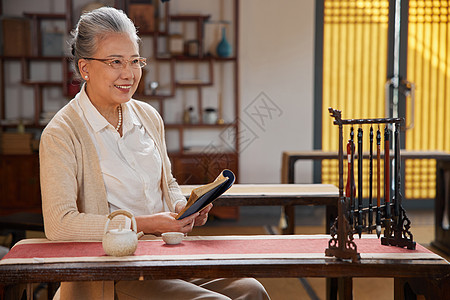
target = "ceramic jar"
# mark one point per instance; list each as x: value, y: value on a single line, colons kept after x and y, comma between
x: 224, y: 47
x: 210, y: 116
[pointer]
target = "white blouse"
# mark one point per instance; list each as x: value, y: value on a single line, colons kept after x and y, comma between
x: 131, y: 165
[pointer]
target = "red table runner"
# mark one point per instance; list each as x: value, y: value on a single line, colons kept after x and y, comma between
x: 224, y: 247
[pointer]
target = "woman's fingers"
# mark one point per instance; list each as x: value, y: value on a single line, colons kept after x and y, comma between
x: 206, y: 209
x: 188, y: 222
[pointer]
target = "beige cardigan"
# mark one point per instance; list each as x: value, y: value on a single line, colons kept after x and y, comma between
x: 74, y: 202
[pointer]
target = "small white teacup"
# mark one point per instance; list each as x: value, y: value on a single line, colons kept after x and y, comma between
x: 172, y: 238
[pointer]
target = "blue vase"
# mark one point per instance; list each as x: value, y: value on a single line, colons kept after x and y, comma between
x: 224, y: 48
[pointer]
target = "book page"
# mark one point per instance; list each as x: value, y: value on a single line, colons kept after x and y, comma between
x: 201, y: 190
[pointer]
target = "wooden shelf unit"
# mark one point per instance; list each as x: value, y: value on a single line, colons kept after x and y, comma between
x: 37, y: 56
x: 189, y: 167
x: 19, y: 173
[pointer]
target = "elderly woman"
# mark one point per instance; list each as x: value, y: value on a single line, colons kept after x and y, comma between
x: 104, y: 151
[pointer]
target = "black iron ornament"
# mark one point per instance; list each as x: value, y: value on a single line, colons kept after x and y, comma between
x: 370, y: 179
x: 378, y: 211
x: 354, y: 218
x: 360, y: 225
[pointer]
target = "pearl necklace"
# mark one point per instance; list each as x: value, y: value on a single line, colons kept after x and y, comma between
x: 119, y: 108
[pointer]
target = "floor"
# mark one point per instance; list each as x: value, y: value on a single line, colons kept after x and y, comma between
x: 310, y: 220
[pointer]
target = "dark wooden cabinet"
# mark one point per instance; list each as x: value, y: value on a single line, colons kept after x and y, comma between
x: 204, y: 168
x: 19, y: 184
x: 201, y: 168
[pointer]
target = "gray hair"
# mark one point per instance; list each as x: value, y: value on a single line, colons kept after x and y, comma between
x: 95, y: 25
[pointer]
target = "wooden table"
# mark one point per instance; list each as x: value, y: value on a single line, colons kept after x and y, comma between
x: 442, y: 201
x: 289, y: 158
x: 430, y: 276
x: 285, y: 195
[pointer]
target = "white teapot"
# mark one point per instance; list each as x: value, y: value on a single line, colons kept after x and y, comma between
x: 121, y: 242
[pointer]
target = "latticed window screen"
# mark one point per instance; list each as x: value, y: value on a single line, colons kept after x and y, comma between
x: 429, y: 68
x: 354, y: 72
x: 354, y: 76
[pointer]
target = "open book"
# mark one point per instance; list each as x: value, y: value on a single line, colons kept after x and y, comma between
x: 203, y: 195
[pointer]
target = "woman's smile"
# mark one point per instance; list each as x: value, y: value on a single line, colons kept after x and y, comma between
x: 124, y: 87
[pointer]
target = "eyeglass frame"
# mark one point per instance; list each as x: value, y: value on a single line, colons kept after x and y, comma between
x: 108, y: 61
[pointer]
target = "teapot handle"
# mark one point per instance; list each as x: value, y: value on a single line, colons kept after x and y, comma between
x: 121, y: 212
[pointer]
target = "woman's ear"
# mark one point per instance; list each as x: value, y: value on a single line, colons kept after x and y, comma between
x: 83, y: 67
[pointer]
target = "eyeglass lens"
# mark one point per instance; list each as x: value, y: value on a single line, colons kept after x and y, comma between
x: 136, y: 63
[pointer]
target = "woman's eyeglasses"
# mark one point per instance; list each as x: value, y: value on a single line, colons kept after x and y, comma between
x: 120, y: 63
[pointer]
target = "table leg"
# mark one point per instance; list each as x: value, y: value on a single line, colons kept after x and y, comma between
x: 332, y: 283
x: 442, y: 207
x: 291, y: 170
x: 332, y: 288
x: 345, y: 288
x: 402, y: 290
x: 289, y: 213
x: 29, y: 291
x: 52, y: 288
x: 431, y: 288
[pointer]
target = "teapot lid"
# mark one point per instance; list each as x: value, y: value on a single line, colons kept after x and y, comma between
x: 120, y: 230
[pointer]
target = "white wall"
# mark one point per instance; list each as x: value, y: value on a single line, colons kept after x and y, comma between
x: 276, y: 68
x: 276, y: 58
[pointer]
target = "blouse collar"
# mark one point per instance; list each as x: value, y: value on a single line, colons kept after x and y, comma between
x: 97, y: 121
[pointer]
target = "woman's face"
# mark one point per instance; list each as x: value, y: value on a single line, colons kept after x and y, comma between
x: 107, y: 85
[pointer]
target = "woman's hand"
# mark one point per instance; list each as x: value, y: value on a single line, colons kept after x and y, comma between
x: 180, y: 206
x: 165, y: 222
x: 203, y: 216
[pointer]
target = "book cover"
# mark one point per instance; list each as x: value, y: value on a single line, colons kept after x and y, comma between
x: 203, y: 195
